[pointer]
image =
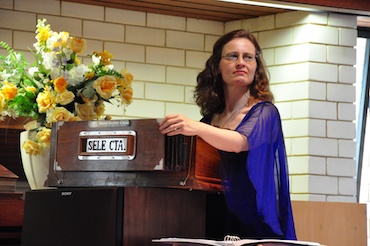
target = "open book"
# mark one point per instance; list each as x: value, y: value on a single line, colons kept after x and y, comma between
x: 242, y: 242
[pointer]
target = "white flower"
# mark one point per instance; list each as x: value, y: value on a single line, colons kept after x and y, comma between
x: 18, y: 56
x: 77, y: 74
x: 54, y: 73
x: 96, y: 60
x: 47, y: 60
x: 110, y: 67
x: 4, y: 75
x: 33, y: 70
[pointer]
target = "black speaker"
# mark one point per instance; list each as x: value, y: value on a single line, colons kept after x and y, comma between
x: 76, y: 216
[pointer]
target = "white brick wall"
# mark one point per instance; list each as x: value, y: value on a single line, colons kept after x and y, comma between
x: 310, y: 57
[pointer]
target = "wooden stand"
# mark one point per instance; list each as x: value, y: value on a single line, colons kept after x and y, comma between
x: 11, y: 217
x: 111, y: 216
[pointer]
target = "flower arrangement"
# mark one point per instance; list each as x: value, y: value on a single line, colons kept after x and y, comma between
x: 57, y: 86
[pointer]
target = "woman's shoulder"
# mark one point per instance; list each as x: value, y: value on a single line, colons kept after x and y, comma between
x: 264, y: 106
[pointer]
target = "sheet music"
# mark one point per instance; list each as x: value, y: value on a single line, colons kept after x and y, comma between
x: 242, y: 242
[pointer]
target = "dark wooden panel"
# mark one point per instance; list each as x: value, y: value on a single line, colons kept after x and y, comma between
x: 11, y: 218
x: 10, y: 156
x: 151, y: 213
x: 362, y: 5
x: 221, y: 11
x: 203, y: 9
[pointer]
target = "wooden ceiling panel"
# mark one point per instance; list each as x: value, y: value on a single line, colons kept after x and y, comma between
x: 200, y: 9
x: 226, y: 11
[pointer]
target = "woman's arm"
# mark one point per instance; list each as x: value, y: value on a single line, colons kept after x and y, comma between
x: 221, y: 139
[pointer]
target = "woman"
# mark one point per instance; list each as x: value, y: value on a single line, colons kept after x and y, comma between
x: 242, y: 123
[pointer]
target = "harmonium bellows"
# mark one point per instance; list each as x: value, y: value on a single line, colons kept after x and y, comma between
x: 129, y: 153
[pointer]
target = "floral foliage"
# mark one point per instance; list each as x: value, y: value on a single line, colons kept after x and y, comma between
x: 57, y: 86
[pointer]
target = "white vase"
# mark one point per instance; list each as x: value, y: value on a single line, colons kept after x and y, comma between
x: 36, y: 167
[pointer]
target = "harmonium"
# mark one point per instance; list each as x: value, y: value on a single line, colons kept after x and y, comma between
x: 129, y: 153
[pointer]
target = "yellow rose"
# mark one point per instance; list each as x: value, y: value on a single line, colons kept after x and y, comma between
x: 45, y: 100
x: 99, y: 108
x: 105, y: 57
x: 30, y: 89
x: 31, y: 147
x: 60, y: 84
x: 63, y: 37
x: 105, y: 86
x: 127, y: 77
x: 89, y: 100
x: 44, y: 136
x: 2, y: 102
x: 75, y: 118
x: 65, y: 97
x: 126, y: 94
x: 59, y: 114
x: 85, y: 111
x: 78, y: 45
x: 9, y: 90
x: 90, y: 75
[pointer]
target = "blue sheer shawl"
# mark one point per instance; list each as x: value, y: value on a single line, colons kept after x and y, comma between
x: 256, y: 182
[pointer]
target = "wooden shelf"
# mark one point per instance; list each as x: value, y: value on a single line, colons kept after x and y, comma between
x: 10, y: 123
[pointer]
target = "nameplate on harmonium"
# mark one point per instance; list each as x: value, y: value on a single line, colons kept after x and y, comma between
x: 129, y: 153
x: 115, y: 145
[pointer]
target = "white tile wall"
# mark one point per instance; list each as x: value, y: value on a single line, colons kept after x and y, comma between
x: 16, y: 20
x: 164, y: 92
x: 346, y: 111
x: 295, y: 19
x: 38, y: 6
x: 107, y: 31
x: 182, y: 76
x: 166, y: 22
x: 125, y: 16
x: 89, y: 12
x: 347, y: 148
x: 335, y: 19
x: 307, y: 165
x: 205, y: 26
x: 323, y: 72
x: 323, y: 34
x: 275, y: 38
x: 196, y: 59
x: 6, y: 4
x: 185, y: 40
x: 23, y: 40
x: 165, y: 56
x: 342, y: 55
x: 341, y: 92
x: 347, y: 74
x: 148, y: 36
x: 147, y: 72
x: 126, y: 52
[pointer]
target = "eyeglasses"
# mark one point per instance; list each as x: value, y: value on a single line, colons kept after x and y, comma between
x: 233, y: 57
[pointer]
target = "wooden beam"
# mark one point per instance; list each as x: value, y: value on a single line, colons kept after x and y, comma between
x: 361, y: 5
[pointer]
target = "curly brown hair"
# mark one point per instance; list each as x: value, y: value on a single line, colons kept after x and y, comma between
x: 209, y: 94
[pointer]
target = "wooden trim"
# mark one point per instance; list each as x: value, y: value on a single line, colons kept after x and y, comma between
x: 9, y: 123
x: 226, y: 11
x: 363, y: 22
x: 362, y: 5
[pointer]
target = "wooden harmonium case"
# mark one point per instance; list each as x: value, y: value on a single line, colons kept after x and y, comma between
x: 127, y: 153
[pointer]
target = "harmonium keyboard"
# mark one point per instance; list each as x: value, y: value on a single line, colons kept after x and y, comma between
x: 129, y: 153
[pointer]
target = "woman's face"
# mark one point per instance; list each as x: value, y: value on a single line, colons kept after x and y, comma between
x: 238, y: 62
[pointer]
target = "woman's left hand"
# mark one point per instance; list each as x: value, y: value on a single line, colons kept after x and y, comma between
x: 174, y: 124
